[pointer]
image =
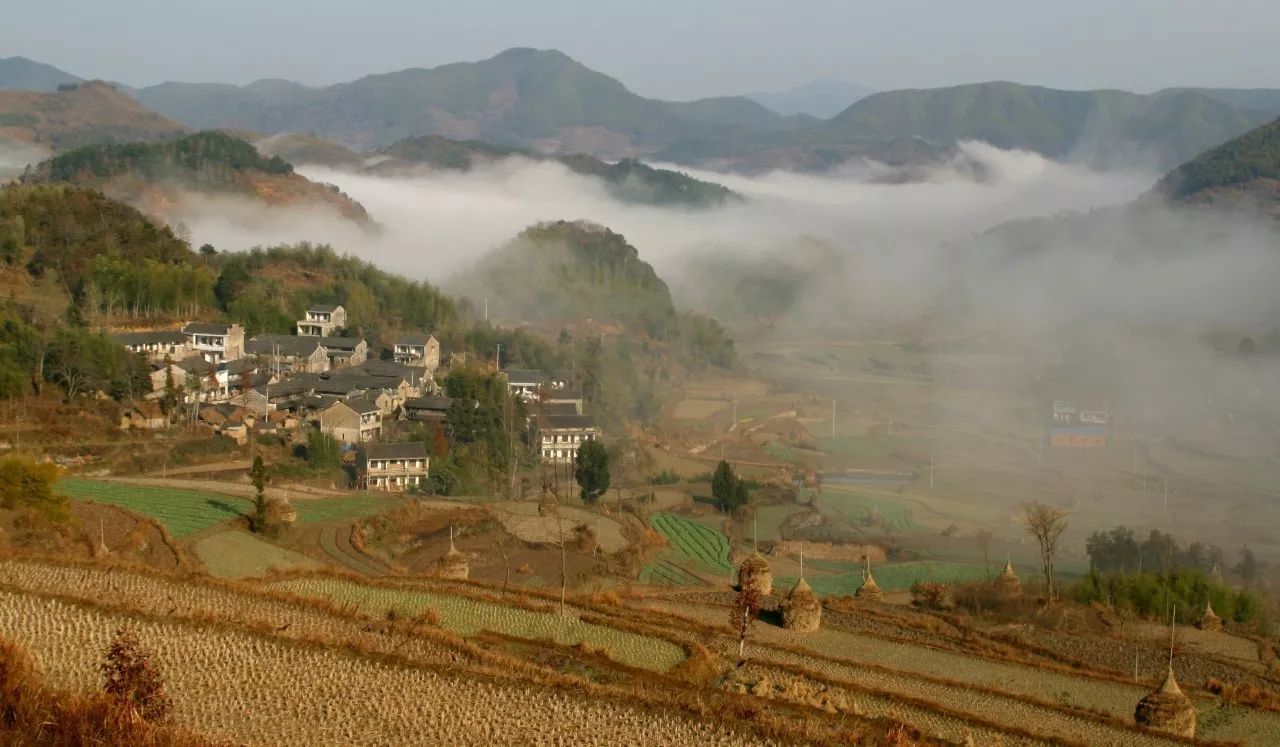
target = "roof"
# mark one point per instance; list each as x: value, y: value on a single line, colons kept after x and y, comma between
x: 559, y: 408
x: 149, y: 338
x: 428, y: 403
x: 414, y: 338
x: 575, y: 422
x: 361, y: 405
x: 410, y: 450
x: 324, y: 308
x: 289, y: 345
x: 521, y: 376
x: 376, y: 367
x: 202, y: 328
x: 149, y: 409
x: 341, y: 343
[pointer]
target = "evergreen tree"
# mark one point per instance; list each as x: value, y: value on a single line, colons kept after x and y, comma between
x: 591, y: 470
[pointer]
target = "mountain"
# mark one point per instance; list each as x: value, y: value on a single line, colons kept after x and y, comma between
x: 540, y: 99
x: 85, y: 114
x: 1242, y: 170
x: 1102, y: 128
x: 819, y: 98
x: 627, y: 180
x: 22, y: 74
x: 298, y: 148
x: 156, y: 176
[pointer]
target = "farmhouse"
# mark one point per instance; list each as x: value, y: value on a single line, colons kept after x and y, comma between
x: 346, y: 351
x: 291, y: 353
x: 531, y: 385
x: 215, y: 342
x: 144, y: 415
x: 559, y: 436
x: 420, y: 350
x: 393, y: 467
x: 322, y: 319
x: 426, y: 409
x: 156, y: 346
x: 353, y: 420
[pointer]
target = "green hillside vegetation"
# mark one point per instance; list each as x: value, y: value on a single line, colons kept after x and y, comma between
x: 627, y: 180
x: 738, y: 288
x: 517, y: 97
x: 1254, y: 155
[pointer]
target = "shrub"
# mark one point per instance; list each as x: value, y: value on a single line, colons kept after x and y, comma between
x: 133, y: 679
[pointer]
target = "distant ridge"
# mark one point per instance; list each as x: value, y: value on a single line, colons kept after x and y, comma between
x: 22, y: 74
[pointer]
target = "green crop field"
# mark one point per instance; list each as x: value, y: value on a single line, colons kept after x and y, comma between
x: 346, y: 509
x: 872, y: 447
x: 237, y: 554
x: 666, y: 573
x: 182, y: 512
x: 467, y: 616
x: 857, y: 508
x: 897, y: 576
x: 696, y: 541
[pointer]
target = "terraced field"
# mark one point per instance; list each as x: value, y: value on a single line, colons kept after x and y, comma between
x: 896, y: 576
x: 467, y: 616
x: 666, y: 573
x: 253, y: 688
x: 237, y: 554
x: 860, y: 508
x: 182, y: 512
x: 351, y: 508
x: 696, y: 541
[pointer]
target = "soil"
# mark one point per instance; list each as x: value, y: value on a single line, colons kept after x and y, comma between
x: 127, y: 536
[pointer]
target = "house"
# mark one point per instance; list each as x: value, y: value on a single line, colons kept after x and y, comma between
x: 156, y: 346
x: 205, y: 382
x: 289, y: 353
x: 426, y: 409
x: 321, y: 319
x: 346, y: 351
x: 530, y: 385
x: 420, y: 350
x: 216, y: 342
x: 161, y: 375
x: 352, y: 420
x: 144, y: 416
x: 393, y: 467
x: 559, y: 436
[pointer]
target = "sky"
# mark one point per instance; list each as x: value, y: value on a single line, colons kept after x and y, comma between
x: 668, y: 48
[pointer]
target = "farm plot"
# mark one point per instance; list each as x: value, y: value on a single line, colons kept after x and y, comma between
x: 238, y: 554
x: 467, y: 616
x: 351, y: 508
x: 864, y: 510
x: 848, y: 576
x: 694, y: 540
x: 259, y: 689
x: 666, y: 573
x: 182, y: 512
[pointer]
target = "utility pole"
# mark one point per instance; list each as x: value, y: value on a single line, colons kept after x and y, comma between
x: 499, y: 356
x: 930, y: 469
x: 1166, y: 494
x: 833, y: 419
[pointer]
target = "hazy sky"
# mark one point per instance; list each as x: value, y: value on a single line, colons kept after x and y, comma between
x: 667, y: 48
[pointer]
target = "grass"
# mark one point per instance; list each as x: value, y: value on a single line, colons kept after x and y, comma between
x: 467, y: 616
x: 346, y: 509
x: 857, y: 508
x: 183, y: 512
x: 695, y: 541
x: 666, y: 573
x: 868, y: 447
x: 237, y: 554
x: 898, y: 576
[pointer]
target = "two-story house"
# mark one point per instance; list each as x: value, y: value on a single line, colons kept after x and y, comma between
x: 418, y: 350
x: 354, y: 420
x: 321, y: 319
x: 531, y: 385
x: 559, y: 436
x: 216, y: 342
x: 156, y: 346
x: 393, y: 467
x: 289, y: 353
x: 346, y: 351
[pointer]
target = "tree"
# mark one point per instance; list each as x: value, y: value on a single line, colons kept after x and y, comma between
x: 258, y: 474
x: 170, y: 398
x: 133, y: 679
x: 984, y: 542
x: 1248, y: 565
x: 323, y: 451
x: 207, y: 250
x: 591, y: 469
x: 26, y: 484
x: 724, y: 484
x: 1046, y: 524
x: 746, y: 608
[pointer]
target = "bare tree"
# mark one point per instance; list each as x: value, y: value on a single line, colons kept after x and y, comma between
x: 746, y: 607
x: 984, y: 541
x: 1046, y: 524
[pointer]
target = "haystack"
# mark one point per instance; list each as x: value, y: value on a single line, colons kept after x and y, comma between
x: 1167, y: 709
x: 1209, y: 620
x: 281, y: 512
x: 1008, y: 583
x: 453, y: 564
x: 801, y: 610
x: 869, y: 591
x: 754, y: 573
x: 548, y: 506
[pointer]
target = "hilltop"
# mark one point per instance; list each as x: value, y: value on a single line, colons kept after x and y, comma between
x: 818, y: 98
x: 628, y: 180
x: 298, y: 148
x: 22, y: 74
x: 80, y: 114
x: 541, y: 99
x: 156, y: 174
x: 1244, y: 169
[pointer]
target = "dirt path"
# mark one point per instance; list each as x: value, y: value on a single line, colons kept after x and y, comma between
x: 214, y: 467
x: 237, y: 489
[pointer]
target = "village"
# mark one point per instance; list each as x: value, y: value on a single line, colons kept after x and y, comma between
x: 213, y: 378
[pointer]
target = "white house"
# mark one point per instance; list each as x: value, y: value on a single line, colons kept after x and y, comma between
x: 418, y: 350
x: 321, y: 319
x: 393, y: 467
x: 216, y: 342
x: 559, y: 436
x: 353, y: 420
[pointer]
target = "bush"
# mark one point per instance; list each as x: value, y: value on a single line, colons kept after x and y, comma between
x: 133, y: 679
x: 1150, y: 594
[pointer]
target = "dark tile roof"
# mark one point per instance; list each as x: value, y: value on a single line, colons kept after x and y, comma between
x: 566, y: 421
x: 150, y: 338
x: 202, y: 328
x: 361, y: 404
x: 286, y: 345
x: 413, y: 338
x: 410, y: 450
x: 346, y: 344
x: 323, y: 308
x: 557, y: 408
x: 428, y: 403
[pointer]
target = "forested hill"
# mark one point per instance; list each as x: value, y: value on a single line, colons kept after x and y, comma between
x: 627, y: 180
x: 1246, y: 168
x: 155, y: 175
x: 77, y: 115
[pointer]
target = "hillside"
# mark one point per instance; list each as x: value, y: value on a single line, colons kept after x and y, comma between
x: 627, y: 180
x: 298, y: 148
x: 1244, y: 169
x: 532, y: 98
x: 156, y: 175
x: 1104, y: 128
x: 819, y: 98
x: 22, y: 74
x: 89, y: 113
